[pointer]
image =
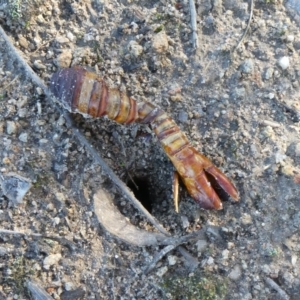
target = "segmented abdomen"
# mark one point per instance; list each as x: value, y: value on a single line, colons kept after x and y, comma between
x: 84, y: 92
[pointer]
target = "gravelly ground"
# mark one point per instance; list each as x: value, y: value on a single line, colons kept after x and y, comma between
x: 240, y: 108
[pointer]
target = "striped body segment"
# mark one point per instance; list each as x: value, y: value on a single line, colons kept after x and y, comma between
x: 84, y: 92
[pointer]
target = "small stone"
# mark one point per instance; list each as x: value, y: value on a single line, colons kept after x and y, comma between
x: 51, y: 260
x: 40, y: 19
x: 284, y: 62
x: 23, y: 42
x: 290, y: 38
x: 64, y: 59
x: 183, y: 117
x: 22, y: 112
x: 225, y: 254
x: 39, y: 65
x: 39, y: 91
x: 69, y: 286
x: 201, y: 245
x: 172, y: 259
x: 23, y: 137
x: 279, y: 157
x: 266, y: 269
x: 11, y: 127
x: 160, y: 42
x: 294, y: 259
x: 246, y: 219
x: 268, y: 74
x: 70, y: 36
x: 239, y: 92
x: 62, y: 40
x: 185, y: 222
x: 176, y: 97
x: 162, y: 271
x: 236, y: 273
x: 297, y: 149
x: 135, y: 49
x: 269, y: 132
x: 14, y: 187
x: 56, y: 221
x: 43, y: 141
x: 210, y: 261
x: 247, y: 66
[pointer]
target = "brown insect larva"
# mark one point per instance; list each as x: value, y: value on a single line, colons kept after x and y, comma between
x: 84, y: 92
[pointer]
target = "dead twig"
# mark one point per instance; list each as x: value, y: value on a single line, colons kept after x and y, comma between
x: 194, y: 24
x: 247, y: 28
x: 174, y: 243
x: 272, y: 284
x: 158, y: 257
x: 61, y: 240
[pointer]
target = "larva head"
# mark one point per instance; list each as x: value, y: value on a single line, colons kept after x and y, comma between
x: 66, y: 84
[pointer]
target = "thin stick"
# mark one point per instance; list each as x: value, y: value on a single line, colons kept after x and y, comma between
x: 158, y: 257
x: 59, y: 239
x: 194, y: 24
x: 272, y: 284
x: 174, y: 243
x: 247, y: 28
x: 125, y: 190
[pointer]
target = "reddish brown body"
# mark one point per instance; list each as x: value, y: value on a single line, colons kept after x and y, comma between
x: 84, y: 92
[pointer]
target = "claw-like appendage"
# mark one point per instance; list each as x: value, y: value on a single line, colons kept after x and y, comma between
x: 192, y: 168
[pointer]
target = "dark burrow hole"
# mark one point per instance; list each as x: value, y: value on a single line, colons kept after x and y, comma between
x: 140, y: 186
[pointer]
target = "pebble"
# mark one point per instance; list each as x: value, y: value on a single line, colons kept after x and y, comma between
x: 160, y: 42
x: 210, y: 261
x: 162, y: 271
x: 183, y: 117
x: 62, y: 40
x: 235, y: 273
x: 11, y: 127
x: 172, y: 259
x: 279, y: 157
x: 290, y: 38
x: 56, y: 221
x: 246, y: 219
x: 269, y: 132
x: 201, y: 245
x: 135, y: 49
x: 64, y: 59
x: 185, y: 221
x: 39, y: 65
x: 69, y: 286
x: 284, y: 62
x: 14, y: 187
x: 23, y: 42
x: 51, y: 260
x: 23, y: 137
x: 297, y: 149
x: 294, y: 259
x: 247, y: 66
x: 239, y: 92
x: 225, y: 254
x: 70, y: 36
x: 268, y: 74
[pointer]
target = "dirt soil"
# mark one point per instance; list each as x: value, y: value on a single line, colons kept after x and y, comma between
x: 238, y: 106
